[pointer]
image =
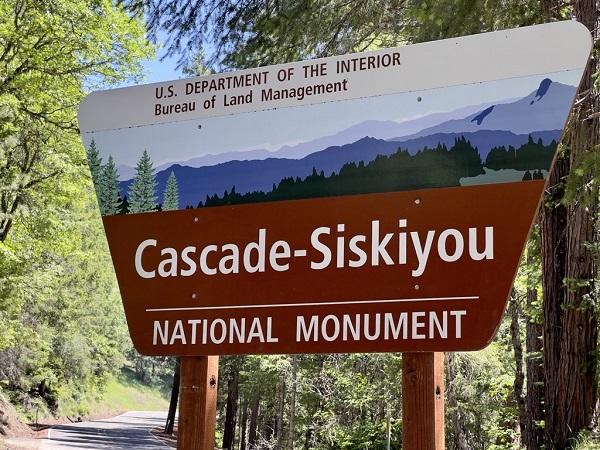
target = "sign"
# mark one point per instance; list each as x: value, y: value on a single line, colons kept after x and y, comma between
x: 377, y: 201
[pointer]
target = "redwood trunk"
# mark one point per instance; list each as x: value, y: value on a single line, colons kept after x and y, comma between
x: 253, y: 431
x: 570, y: 326
x: 292, y: 431
x: 243, y: 424
x: 514, y: 313
x: 231, y: 410
x: 533, y: 433
x: 170, y: 424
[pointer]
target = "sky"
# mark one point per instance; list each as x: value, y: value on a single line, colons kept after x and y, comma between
x: 157, y: 71
x: 270, y: 130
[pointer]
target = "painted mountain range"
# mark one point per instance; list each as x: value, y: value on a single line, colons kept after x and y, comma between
x: 539, y: 116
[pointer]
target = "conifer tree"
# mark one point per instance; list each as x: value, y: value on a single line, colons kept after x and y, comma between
x: 110, y: 203
x: 94, y: 161
x: 142, y: 193
x: 171, y: 195
x: 96, y: 169
x: 124, y: 206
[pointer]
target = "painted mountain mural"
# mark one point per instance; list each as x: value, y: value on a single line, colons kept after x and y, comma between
x: 510, y: 140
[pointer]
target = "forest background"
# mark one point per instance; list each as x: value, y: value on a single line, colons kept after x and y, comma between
x: 62, y: 329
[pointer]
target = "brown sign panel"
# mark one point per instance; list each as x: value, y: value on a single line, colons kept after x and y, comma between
x: 376, y: 208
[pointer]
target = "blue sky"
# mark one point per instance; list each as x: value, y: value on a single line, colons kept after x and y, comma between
x: 156, y: 70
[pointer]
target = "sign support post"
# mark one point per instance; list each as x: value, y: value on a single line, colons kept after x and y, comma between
x: 423, y: 401
x: 198, y: 403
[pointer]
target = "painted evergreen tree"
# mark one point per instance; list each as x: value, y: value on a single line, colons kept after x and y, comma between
x: 95, y: 163
x: 124, y: 206
x: 142, y: 193
x: 171, y: 195
x: 110, y: 202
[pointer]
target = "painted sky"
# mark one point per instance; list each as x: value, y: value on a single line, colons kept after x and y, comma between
x: 180, y: 141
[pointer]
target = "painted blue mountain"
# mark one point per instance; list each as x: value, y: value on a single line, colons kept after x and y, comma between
x: 381, y: 129
x: 546, y: 108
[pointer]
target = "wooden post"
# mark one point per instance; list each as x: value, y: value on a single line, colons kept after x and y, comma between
x: 423, y: 401
x: 198, y: 403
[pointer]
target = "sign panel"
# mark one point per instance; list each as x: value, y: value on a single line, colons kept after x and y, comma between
x: 368, y: 202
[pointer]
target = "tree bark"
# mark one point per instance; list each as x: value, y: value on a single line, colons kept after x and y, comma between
x: 253, y: 431
x: 231, y: 410
x: 292, y: 431
x: 570, y: 324
x: 243, y: 424
x: 170, y: 424
x: 553, y: 226
x: 280, y: 411
x: 577, y: 371
x: 533, y: 433
x: 513, y: 310
x: 459, y: 436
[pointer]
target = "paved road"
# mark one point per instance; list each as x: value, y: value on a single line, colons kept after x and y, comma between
x: 130, y: 431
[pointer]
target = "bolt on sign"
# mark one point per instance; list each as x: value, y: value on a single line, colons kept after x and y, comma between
x: 377, y: 201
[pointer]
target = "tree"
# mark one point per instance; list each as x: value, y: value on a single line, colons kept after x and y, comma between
x: 95, y: 163
x: 254, y: 33
x: 171, y: 194
x: 569, y: 235
x: 170, y: 423
x: 110, y: 202
x: 124, y: 206
x: 142, y: 193
x: 51, y: 54
x: 63, y: 330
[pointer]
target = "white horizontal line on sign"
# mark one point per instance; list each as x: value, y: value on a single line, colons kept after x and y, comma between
x: 284, y: 305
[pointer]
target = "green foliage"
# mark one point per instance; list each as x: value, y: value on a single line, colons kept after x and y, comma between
x: 251, y: 33
x: 171, y: 195
x: 63, y: 328
x: 442, y: 19
x: 50, y: 54
x: 60, y: 296
x: 95, y: 163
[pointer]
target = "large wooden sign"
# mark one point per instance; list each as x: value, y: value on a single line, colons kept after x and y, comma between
x: 368, y: 202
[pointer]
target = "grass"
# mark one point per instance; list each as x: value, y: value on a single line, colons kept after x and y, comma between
x: 121, y: 393
x: 587, y: 441
x: 125, y: 394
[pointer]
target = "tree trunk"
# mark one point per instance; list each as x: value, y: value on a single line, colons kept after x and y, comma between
x: 388, y: 425
x: 170, y: 424
x: 553, y: 226
x: 243, y: 423
x: 292, y: 431
x: 231, y: 410
x: 533, y: 434
x: 280, y: 410
x: 513, y: 310
x: 458, y: 427
x: 577, y: 371
x: 570, y: 325
x: 253, y: 431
